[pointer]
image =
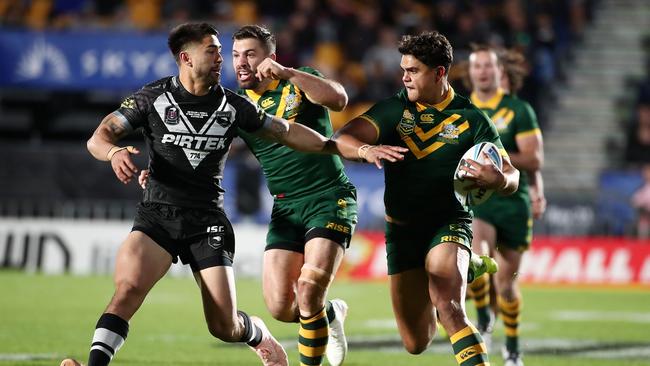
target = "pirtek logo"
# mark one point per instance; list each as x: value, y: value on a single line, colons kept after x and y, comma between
x: 203, y: 143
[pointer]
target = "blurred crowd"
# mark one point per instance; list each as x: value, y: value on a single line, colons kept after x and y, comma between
x: 352, y: 41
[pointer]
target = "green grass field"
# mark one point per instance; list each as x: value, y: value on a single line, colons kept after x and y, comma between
x: 46, y: 318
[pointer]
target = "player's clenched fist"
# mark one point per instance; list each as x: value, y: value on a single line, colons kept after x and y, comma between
x: 120, y: 158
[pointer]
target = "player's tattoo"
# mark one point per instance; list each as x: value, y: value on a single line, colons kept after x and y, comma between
x: 275, y: 129
x: 117, y: 124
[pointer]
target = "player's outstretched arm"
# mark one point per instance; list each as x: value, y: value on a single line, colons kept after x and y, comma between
x: 102, y: 146
x: 353, y: 142
x: 325, y: 92
x: 303, y: 138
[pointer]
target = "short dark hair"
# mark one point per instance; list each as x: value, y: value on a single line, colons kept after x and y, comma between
x: 431, y: 48
x: 184, y: 34
x: 258, y: 32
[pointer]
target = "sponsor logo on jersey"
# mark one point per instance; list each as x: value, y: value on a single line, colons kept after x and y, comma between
x: 292, y: 102
x: 200, y: 143
x: 426, y: 118
x: 449, y: 134
x: 171, y: 115
x: 267, y: 103
x: 128, y: 103
x: 224, y: 118
x: 407, y: 123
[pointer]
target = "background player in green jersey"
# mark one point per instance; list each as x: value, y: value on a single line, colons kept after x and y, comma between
x: 428, y: 232
x: 503, y: 225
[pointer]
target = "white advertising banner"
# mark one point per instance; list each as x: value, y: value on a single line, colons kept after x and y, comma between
x: 89, y: 246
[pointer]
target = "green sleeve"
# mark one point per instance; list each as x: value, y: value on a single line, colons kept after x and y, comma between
x: 385, y: 116
x: 484, y: 130
x: 310, y: 70
x: 526, y: 119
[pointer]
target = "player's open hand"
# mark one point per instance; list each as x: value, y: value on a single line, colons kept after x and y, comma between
x: 143, y: 178
x: 485, y: 175
x: 374, y: 154
x: 270, y: 69
x: 123, y: 165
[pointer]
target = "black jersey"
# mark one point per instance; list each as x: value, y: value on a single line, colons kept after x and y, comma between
x: 188, y: 138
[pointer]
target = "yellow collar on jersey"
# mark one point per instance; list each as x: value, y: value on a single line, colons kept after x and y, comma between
x: 255, y: 97
x: 439, y: 106
x: 491, y: 103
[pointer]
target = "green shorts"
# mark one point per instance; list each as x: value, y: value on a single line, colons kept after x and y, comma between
x: 512, y: 218
x: 331, y: 214
x: 407, y: 245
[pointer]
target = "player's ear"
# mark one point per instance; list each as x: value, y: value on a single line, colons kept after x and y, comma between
x: 273, y: 56
x: 185, y: 58
x: 440, y: 73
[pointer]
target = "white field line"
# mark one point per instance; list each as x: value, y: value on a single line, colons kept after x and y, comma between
x: 603, y: 316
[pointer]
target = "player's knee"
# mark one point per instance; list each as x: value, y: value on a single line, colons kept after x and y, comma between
x: 312, y: 286
x: 223, y: 331
x: 128, y: 292
x: 284, y: 311
x: 415, y: 346
x: 450, y: 312
x: 281, y: 303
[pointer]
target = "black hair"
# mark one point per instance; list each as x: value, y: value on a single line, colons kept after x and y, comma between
x: 183, y: 35
x: 431, y: 48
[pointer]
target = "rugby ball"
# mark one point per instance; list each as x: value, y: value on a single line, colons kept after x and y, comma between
x: 476, y: 196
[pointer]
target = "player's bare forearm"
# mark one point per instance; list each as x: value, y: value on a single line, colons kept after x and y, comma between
x: 528, y: 161
x: 294, y: 135
x: 530, y: 156
x: 352, y: 142
x: 536, y: 191
x: 321, y: 91
x: 511, y: 175
x: 112, y: 128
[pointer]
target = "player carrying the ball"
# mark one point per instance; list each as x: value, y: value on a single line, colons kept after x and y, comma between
x: 428, y: 232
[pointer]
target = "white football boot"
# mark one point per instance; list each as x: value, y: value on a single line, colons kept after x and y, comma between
x: 337, y: 345
x: 269, y: 349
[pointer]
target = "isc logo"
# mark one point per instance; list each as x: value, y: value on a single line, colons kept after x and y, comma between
x: 216, y: 229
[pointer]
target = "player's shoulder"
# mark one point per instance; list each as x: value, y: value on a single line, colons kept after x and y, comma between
x: 144, y: 98
x: 160, y: 86
x: 515, y: 102
x: 237, y: 97
x: 469, y: 110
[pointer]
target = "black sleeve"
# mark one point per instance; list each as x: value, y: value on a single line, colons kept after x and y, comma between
x: 136, y: 107
x: 250, y: 117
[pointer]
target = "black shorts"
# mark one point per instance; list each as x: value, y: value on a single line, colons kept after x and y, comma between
x: 202, y: 238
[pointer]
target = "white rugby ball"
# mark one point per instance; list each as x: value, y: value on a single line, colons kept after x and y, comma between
x: 476, y: 196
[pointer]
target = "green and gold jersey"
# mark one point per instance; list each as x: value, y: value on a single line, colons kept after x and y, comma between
x: 291, y: 173
x: 420, y: 188
x: 513, y: 118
